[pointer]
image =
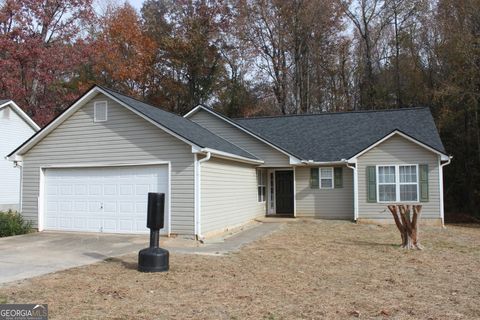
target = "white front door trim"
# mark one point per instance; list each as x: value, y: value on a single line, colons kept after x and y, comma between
x: 273, y: 210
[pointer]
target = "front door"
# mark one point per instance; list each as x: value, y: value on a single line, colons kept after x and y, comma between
x: 284, y: 192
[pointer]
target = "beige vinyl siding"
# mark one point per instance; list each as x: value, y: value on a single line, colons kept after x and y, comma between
x: 271, y: 156
x: 398, y: 150
x: 324, y: 203
x: 228, y: 195
x: 124, y: 138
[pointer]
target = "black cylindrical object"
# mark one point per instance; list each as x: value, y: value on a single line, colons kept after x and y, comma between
x: 156, y: 210
x: 154, y: 258
x: 154, y: 238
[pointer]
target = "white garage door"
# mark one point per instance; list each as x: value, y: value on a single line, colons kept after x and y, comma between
x: 106, y: 199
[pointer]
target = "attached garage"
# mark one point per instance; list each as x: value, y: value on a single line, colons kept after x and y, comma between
x: 102, y: 199
x: 91, y: 168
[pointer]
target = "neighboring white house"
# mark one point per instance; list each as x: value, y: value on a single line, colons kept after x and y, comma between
x: 15, y: 127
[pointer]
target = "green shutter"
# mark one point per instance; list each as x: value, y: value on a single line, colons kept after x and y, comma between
x: 338, y: 175
x: 423, y: 180
x: 371, y: 184
x: 314, y: 183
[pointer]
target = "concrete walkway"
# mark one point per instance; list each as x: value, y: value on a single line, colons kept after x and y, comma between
x: 226, y: 243
x: 40, y: 253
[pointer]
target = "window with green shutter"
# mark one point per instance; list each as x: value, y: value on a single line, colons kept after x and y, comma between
x: 423, y: 180
x: 398, y: 183
x: 371, y: 184
x: 314, y: 178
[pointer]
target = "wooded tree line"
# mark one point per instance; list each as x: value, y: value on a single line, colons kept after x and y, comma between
x: 259, y: 57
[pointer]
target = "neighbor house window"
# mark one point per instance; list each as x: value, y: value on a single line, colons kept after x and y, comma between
x: 397, y: 183
x: 326, y: 178
x: 261, y: 184
x: 100, y: 111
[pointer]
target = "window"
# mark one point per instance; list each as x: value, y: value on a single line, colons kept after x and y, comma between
x: 397, y: 183
x: 408, y: 183
x: 261, y: 184
x: 100, y: 111
x: 386, y: 183
x: 326, y: 178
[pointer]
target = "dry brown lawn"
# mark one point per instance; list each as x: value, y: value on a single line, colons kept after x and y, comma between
x: 305, y: 270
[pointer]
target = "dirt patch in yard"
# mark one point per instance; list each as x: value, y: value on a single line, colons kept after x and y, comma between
x: 306, y: 270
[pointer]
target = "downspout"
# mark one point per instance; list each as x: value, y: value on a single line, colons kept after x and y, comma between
x: 442, y: 209
x: 355, y: 189
x: 19, y: 164
x: 199, y: 192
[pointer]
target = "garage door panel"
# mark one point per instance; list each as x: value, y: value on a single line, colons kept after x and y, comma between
x: 81, y: 207
x: 51, y: 223
x: 110, y: 199
x: 95, y: 189
x: 94, y: 224
x: 109, y: 190
x: 81, y: 189
x: 126, y: 225
x: 65, y: 223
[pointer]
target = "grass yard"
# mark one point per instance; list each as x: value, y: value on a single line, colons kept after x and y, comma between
x: 306, y: 270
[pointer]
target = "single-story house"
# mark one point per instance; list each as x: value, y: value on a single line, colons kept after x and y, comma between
x: 90, y: 169
x: 15, y: 127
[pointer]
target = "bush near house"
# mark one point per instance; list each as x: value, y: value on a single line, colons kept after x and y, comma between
x: 12, y: 224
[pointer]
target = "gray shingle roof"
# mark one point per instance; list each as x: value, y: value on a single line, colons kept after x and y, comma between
x: 337, y: 136
x: 185, y: 128
x: 2, y: 101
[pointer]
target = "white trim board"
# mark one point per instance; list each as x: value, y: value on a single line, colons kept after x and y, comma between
x: 403, y: 135
x: 293, y: 159
x: 21, y: 113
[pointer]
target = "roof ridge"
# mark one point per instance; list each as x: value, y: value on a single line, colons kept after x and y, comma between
x: 139, y: 100
x: 180, y: 117
x: 330, y: 113
x: 251, y: 131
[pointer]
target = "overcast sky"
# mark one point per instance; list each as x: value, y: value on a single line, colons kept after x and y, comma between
x: 101, y: 4
x: 136, y: 3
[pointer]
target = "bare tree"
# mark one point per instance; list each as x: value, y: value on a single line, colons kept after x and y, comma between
x: 369, y: 19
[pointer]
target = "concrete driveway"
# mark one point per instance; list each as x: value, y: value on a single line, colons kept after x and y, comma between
x: 39, y: 253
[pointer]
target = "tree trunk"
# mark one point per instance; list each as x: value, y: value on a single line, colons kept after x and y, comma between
x: 407, y: 224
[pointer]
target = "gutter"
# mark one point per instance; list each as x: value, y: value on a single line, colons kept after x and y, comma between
x: 355, y: 188
x: 198, y: 192
x: 440, y: 176
x: 320, y: 163
x: 230, y: 156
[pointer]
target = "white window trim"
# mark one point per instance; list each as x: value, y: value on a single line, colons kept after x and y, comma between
x: 320, y: 178
x: 262, y: 184
x: 397, y: 182
x: 95, y: 111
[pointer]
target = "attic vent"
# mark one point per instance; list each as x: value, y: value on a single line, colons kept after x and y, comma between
x: 6, y: 113
x: 100, y: 111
